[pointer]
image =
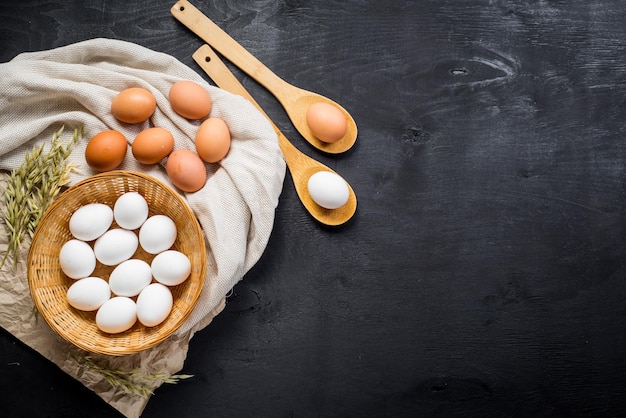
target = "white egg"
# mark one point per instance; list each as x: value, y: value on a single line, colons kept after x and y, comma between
x: 171, y: 267
x: 115, y: 245
x: 154, y: 304
x: 130, y: 210
x: 328, y: 189
x: 90, y: 221
x: 157, y: 234
x: 130, y: 277
x: 117, y: 315
x: 77, y: 259
x: 88, y: 294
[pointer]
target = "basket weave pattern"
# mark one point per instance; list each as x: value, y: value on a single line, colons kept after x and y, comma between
x: 48, y: 284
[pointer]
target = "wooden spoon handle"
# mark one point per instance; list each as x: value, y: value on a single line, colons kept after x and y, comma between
x: 212, y: 34
x: 300, y: 165
x: 208, y: 60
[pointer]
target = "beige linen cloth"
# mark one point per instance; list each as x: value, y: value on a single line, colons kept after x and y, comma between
x: 72, y: 86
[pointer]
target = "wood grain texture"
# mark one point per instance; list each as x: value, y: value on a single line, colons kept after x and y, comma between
x: 483, y: 274
x: 294, y: 100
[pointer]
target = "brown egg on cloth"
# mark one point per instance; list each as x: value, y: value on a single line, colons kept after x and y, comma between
x: 152, y: 145
x: 186, y: 170
x: 106, y: 150
x: 133, y: 105
x: 190, y: 100
x: 213, y: 140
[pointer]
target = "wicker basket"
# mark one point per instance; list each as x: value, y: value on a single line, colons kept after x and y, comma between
x: 48, y: 284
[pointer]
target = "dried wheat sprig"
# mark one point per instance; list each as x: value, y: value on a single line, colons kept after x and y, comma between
x: 33, y: 186
x: 129, y: 380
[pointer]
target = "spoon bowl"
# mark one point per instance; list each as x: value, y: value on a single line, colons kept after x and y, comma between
x: 301, y: 166
x: 296, y: 107
x: 295, y: 101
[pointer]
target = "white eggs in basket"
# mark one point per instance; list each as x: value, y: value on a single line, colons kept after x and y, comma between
x: 116, y: 315
x: 115, y: 245
x: 91, y: 221
x: 130, y: 210
x: 135, y: 289
x: 88, y: 294
x: 157, y: 234
x: 77, y: 259
x: 154, y: 304
x: 171, y: 267
x: 130, y: 277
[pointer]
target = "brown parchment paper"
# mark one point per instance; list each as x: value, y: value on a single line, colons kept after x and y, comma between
x: 73, y: 86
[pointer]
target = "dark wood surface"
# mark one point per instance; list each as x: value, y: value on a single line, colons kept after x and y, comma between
x: 484, y: 272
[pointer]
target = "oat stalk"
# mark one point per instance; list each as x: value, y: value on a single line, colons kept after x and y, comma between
x: 33, y: 186
x: 129, y: 381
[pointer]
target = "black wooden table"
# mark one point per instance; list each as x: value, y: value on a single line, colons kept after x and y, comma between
x: 484, y: 272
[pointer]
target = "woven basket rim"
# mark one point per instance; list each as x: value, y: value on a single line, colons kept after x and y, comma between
x: 139, y: 338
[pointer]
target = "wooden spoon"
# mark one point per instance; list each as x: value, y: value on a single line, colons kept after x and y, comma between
x: 295, y: 100
x: 301, y: 166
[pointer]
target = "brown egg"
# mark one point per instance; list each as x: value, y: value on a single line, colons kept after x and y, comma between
x: 152, y: 145
x: 106, y: 150
x: 186, y: 170
x: 213, y: 140
x: 326, y: 122
x: 190, y: 100
x: 133, y: 105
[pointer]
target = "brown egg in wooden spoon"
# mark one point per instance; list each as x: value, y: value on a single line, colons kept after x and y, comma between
x: 296, y: 101
x: 301, y: 166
